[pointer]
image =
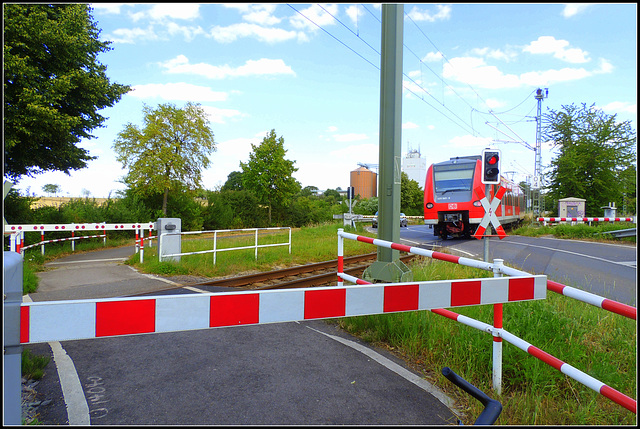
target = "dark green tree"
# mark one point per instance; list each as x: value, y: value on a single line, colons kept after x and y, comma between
x: 269, y: 175
x: 54, y: 87
x: 594, y: 153
x: 234, y: 182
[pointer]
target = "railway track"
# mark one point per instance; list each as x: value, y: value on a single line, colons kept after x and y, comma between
x: 310, y: 275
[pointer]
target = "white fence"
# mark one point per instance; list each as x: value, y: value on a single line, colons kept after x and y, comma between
x: 215, y: 249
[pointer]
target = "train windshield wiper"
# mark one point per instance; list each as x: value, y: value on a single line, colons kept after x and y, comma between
x: 455, y: 189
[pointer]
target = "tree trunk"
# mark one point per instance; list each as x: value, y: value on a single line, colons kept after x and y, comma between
x: 164, y: 201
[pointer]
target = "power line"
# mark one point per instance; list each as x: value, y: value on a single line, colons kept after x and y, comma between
x: 378, y: 68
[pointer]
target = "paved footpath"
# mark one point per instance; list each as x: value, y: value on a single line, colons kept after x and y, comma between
x: 298, y: 373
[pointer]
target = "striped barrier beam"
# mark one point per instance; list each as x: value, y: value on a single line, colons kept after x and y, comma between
x: 80, y: 227
x: 85, y: 319
x: 586, y: 219
x: 595, y: 300
x: 42, y: 243
x: 585, y: 379
x: 420, y: 251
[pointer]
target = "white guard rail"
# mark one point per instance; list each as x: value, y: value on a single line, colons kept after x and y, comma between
x: 215, y: 249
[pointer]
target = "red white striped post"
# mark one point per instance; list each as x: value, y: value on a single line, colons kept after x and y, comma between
x: 340, y: 256
x: 141, y: 245
x: 42, y: 242
x: 497, y: 341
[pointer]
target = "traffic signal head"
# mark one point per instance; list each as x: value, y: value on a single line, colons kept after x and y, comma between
x: 491, y: 167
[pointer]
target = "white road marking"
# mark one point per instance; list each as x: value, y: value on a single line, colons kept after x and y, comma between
x: 72, y: 392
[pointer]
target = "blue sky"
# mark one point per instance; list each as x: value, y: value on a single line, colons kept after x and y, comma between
x: 311, y: 72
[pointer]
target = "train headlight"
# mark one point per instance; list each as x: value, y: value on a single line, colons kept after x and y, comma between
x: 477, y: 203
x: 429, y: 205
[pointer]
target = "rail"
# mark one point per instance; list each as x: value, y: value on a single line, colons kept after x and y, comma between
x: 497, y: 330
x: 215, y: 249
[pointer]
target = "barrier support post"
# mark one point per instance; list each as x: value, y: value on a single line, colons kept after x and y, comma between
x: 12, y: 358
x: 73, y: 242
x: 289, y: 240
x: 41, y: 240
x: 141, y: 245
x: 215, y: 245
x: 340, y: 255
x: 256, y: 244
x: 497, y: 340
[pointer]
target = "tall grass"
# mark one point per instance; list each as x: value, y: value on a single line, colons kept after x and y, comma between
x: 592, y: 340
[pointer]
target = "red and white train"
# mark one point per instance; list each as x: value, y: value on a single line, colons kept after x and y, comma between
x: 452, y: 206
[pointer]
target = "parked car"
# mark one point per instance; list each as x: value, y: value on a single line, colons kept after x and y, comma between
x: 403, y: 220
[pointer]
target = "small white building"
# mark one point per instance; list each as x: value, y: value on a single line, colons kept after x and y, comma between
x: 571, y: 207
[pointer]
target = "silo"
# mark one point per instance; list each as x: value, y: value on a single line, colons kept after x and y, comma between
x: 365, y: 182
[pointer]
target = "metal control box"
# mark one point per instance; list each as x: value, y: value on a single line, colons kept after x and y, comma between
x: 169, y: 239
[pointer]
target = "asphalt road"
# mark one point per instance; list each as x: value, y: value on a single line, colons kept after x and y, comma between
x: 307, y: 373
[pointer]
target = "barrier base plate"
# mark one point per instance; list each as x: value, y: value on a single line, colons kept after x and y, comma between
x: 388, y: 272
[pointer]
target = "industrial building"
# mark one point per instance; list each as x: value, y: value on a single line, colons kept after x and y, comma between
x: 415, y: 167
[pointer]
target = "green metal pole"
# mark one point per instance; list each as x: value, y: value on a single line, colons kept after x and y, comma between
x: 388, y: 268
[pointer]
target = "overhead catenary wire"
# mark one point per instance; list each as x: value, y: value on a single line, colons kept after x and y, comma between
x: 466, y: 127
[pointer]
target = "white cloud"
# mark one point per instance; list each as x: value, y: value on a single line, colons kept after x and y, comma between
x: 163, y: 11
x: 218, y: 115
x: 354, y: 13
x: 111, y: 8
x: 475, y: 71
x: 443, y: 13
x: 547, y: 77
x: 573, y: 9
x: 188, y: 32
x: 559, y: 48
x: 620, y: 107
x: 433, y: 57
x: 177, y: 91
x: 261, y: 67
x: 409, y: 126
x: 264, y: 34
x: 317, y: 15
x: 130, y: 35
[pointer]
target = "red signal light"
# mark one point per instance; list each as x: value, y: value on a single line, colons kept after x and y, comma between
x: 493, y: 160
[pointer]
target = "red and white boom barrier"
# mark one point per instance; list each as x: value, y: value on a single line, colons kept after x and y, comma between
x: 581, y: 377
x: 497, y: 330
x: 586, y: 219
x: 497, y: 268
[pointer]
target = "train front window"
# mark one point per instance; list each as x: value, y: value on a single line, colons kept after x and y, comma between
x: 453, y: 177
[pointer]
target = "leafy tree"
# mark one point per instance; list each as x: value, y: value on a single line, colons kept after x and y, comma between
x: 50, y: 188
x: 169, y: 152
x: 411, y: 196
x: 54, y: 87
x: 234, y: 182
x: 268, y: 173
x: 594, y: 152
